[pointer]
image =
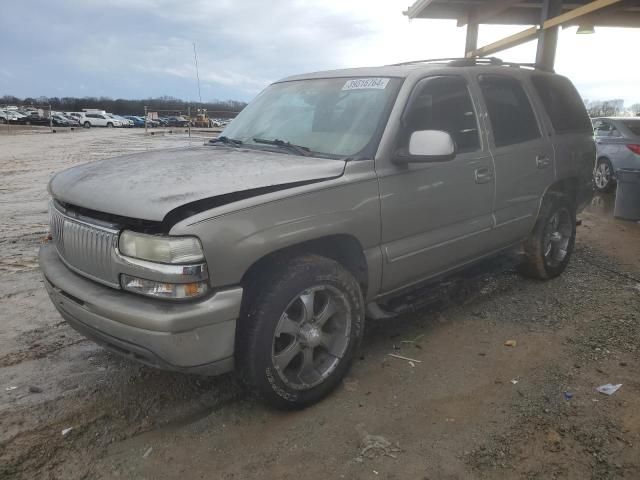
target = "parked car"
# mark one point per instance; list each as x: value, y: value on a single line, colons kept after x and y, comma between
x: 91, y: 119
x: 60, y: 121
x: 124, y: 122
x: 177, y: 121
x: 331, y: 195
x: 73, y: 121
x: 137, y: 121
x: 32, y: 119
x: 618, y: 145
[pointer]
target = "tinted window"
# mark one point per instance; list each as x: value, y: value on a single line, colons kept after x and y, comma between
x: 510, y: 112
x: 444, y: 103
x: 562, y: 103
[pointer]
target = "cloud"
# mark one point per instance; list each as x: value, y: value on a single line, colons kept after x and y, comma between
x: 142, y: 48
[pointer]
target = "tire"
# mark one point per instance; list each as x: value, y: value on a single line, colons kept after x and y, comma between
x: 86, y: 125
x: 603, y: 176
x: 288, y: 358
x: 549, y: 246
x: 109, y: 125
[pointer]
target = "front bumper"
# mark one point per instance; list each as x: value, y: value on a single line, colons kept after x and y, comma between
x: 197, y: 337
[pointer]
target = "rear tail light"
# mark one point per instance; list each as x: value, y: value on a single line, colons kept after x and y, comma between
x: 634, y: 148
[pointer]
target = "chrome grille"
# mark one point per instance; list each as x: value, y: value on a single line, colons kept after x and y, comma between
x: 86, y: 248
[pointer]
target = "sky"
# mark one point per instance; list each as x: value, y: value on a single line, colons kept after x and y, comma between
x: 144, y: 48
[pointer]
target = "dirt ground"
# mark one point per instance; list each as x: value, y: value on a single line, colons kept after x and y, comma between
x: 468, y: 407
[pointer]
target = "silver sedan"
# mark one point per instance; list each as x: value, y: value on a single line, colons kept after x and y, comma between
x: 618, y: 143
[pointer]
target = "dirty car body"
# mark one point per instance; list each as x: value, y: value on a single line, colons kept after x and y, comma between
x: 165, y: 256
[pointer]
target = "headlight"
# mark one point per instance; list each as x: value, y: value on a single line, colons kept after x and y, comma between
x: 163, y: 249
x: 174, y: 291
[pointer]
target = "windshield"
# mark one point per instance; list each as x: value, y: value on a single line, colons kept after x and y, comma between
x: 335, y: 117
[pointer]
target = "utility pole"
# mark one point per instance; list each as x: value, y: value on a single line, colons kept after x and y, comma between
x: 195, y: 57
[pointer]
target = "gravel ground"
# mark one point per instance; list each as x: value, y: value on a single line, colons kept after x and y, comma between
x: 468, y: 407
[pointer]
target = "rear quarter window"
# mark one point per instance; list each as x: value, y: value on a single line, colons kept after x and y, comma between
x: 633, y: 126
x: 562, y: 104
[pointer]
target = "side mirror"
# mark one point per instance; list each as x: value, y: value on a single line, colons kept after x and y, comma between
x: 428, y: 146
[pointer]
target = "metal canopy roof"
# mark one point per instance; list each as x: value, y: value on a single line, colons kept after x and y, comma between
x: 546, y: 16
x: 529, y: 12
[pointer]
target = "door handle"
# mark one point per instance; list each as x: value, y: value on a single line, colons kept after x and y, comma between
x: 483, y: 175
x: 542, y: 161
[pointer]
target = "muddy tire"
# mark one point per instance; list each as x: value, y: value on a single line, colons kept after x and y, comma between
x: 549, y: 247
x: 299, y: 330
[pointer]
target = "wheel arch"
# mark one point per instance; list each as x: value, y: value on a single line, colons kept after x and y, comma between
x: 343, y: 248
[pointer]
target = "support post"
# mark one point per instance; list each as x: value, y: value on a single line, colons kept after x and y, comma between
x: 548, y: 37
x: 471, y: 42
x: 146, y: 114
x: 189, y: 116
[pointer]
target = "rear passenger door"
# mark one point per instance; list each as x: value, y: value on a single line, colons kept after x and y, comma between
x: 609, y: 140
x: 522, y: 155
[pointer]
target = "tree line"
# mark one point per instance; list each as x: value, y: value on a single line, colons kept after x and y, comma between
x: 121, y: 106
x: 609, y: 108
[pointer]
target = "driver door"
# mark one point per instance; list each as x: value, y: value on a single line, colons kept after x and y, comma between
x: 437, y: 216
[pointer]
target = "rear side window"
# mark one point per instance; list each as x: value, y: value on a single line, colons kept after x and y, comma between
x: 512, y: 118
x: 562, y: 103
x: 633, y: 126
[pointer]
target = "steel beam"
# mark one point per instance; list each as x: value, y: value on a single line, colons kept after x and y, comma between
x: 471, y: 41
x: 548, y: 37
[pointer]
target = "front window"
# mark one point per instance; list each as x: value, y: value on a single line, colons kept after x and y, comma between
x: 334, y: 117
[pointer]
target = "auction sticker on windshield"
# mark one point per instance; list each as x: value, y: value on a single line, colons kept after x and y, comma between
x: 360, y: 83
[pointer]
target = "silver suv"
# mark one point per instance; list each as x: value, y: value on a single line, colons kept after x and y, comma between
x: 327, y: 198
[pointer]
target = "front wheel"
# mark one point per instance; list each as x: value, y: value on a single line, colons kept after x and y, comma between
x: 549, y: 246
x: 299, y: 330
x: 109, y: 125
x: 87, y: 125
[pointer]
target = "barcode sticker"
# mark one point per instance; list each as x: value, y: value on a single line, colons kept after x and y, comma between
x: 362, y: 83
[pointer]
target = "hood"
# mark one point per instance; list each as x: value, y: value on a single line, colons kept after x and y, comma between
x: 149, y: 185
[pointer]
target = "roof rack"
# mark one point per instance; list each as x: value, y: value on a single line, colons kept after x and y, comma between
x: 470, y: 62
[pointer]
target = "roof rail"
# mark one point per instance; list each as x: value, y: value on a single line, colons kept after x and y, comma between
x: 472, y: 61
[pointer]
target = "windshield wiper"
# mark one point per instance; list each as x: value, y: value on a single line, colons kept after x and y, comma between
x: 227, y: 141
x: 299, y: 149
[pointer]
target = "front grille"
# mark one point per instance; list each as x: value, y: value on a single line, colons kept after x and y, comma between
x: 86, y: 248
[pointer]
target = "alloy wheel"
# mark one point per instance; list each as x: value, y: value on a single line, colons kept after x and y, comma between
x: 557, y: 237
x: 311, y: 337
x: 603, y: 175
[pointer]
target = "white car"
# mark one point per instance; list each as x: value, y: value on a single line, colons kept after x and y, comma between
x: 125, y: 122
x: 91, y: 119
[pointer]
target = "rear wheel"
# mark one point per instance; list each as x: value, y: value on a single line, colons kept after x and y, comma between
x: 549, y: 247
x: 603, y: 176
x: 299, y: 331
